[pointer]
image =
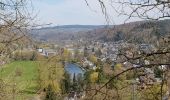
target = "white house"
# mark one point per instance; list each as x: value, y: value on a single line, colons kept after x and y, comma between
x: 40, y: 50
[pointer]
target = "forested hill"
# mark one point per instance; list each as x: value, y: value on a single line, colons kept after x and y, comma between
x: 65, y: 32
x: 140, y: 32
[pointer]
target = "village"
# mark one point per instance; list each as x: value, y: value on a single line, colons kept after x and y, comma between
x: 90, y: 53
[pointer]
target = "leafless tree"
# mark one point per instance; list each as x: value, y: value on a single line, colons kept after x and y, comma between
x: 144, y: 9
x: 14, y: 22
x: 15, y: 19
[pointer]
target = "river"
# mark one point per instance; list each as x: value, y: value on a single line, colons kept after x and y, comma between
x: 72, y: 69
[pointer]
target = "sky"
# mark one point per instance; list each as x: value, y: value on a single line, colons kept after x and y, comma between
x: 73, y: 12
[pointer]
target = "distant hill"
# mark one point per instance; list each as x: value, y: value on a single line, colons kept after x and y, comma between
x: 65, y: 32
x: 138, y: 32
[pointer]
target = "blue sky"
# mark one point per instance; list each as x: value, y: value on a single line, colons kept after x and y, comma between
x: 67, y: 12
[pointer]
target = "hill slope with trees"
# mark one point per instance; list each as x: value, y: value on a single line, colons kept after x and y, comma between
x: 138, y: 32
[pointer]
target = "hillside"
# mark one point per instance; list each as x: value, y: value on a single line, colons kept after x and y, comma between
x: 66, y: 32
x: 140, y: 32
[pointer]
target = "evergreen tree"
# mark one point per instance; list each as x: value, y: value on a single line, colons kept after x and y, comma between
x: 66, y: 84
x: 80, y: 81
x: 87, y: 78
x: 74, y: 78
x: 50, y: 94
x: 74, y: 84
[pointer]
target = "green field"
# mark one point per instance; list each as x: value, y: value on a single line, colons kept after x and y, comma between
x: 21, y: 78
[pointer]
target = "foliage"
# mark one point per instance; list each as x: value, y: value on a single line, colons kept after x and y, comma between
x: 50, y: 93
x: 152, y: 92
x: 25, y: 55
x: 51, y: 71
x: 101, y: 77
x: 66, y: 55
x: 65, y: 83
x: 74, y: 83
x: 117, y: 69
x: 80, y: 81
x: 94, y: 76
x: 158, y: 72
x: 93, y: 59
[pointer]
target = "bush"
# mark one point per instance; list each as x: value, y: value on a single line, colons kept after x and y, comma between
x: 25, y: 55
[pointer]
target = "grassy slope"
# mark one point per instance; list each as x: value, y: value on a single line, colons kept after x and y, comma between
x: 25, y: 82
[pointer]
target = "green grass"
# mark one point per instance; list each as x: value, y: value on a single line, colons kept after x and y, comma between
x: 23, y: 74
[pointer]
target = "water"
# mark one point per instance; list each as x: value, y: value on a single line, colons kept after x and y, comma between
x: 73, y: 69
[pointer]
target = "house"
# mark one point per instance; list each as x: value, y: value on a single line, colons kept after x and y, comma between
x: 94, y: 67
x: 47, y: 52
x: 146, y: 62
x: 89, y: 65
x: 72, y: 96
x: 150, y: 77
x: 146, y: 48
x: 40, y: 50
x: 147, y: 78
x: 163, y: 67
x: 75, y: 96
